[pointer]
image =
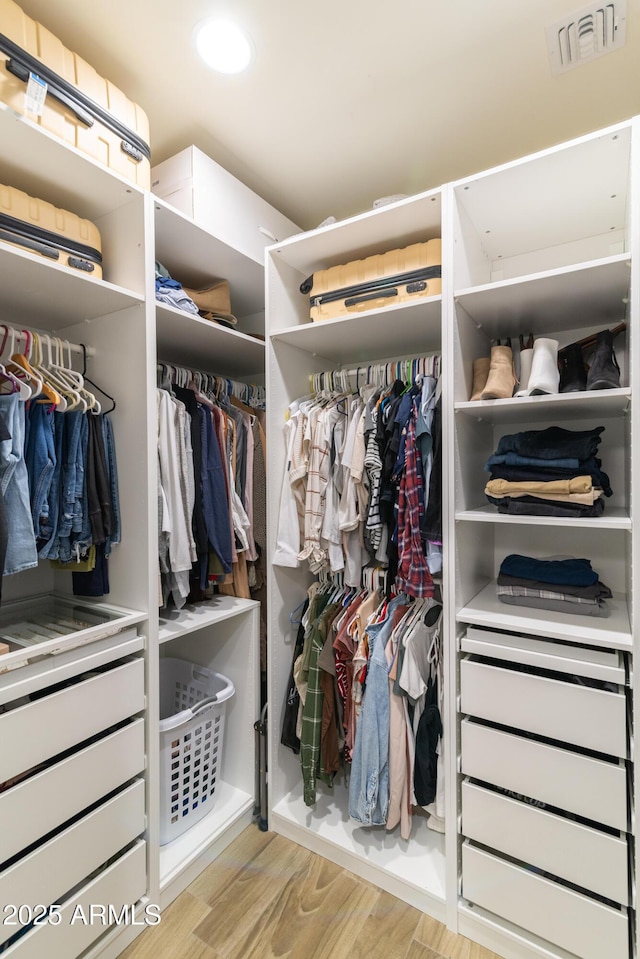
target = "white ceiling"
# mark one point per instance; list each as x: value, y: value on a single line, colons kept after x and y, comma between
x: 350, y: 100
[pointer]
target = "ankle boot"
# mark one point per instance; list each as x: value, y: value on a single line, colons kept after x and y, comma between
x: 480, y: 374
x: 573, y: 376
x: 544, y: 376
x: 526, y: 356
x: 604, y: 372
x: 502, y: 377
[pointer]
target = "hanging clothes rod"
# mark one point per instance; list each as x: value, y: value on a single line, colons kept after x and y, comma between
x: 379, y: 374
x: 250, y: 393
x: 21, y: 333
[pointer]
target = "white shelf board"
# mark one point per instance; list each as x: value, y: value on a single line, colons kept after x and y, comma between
x: 587, y: 294
x: 34, y: 160
x: 371, y: 852
x: 485, y: 609
x: 408, y: 329
x: 192, y: 618
x: 196, y: 257
x: 177, y: 855
x: 399, y: 224
x: 47, y: 296
x: 186, y: 339
x: 613, y: 518
x: 555, y: 406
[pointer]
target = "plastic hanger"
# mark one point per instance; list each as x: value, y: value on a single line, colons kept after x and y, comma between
x: 95, y: 385
x: 19, y: 386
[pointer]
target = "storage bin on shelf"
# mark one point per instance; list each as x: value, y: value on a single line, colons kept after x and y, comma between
x: 193, y: 702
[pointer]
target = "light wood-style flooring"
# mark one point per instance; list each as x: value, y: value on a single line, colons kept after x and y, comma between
x: 268, y: 898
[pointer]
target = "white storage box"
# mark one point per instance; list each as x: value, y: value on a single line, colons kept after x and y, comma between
x: 201, y: 189
x: 193, y: 701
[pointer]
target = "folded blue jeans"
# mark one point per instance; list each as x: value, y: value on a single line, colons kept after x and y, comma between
x: 573, y: 572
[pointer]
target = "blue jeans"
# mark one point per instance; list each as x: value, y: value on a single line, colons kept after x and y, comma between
x: 552, y: 443
x: 112, y: 474
x: 21, y: 547
x: 40, y: 456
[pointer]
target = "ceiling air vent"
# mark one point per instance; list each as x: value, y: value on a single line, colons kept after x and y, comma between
x: 586, y: 34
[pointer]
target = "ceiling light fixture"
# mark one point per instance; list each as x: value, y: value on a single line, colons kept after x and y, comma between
x: 223, y: 46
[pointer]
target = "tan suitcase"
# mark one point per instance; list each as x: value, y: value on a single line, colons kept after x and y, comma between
x: 80, y: 107
x: 40, y: 227
x: 386, y: 279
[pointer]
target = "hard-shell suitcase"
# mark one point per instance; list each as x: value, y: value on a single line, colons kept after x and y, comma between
x: 80, y: 107
x: 410, y: 273
x: 40, y: 227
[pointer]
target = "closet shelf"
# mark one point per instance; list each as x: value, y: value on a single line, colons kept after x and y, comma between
x: 552, y: 406
x: 372, y: 853
x: 191, y: 618
x: 591, y: 293
x: 413, y: 328
x: 36, y: 161
x: 233, y: 810
x: 46, y: 296
x: 614, y: 631
x: 186, y: 339
x: 613, y: 518
x: 195, y: 257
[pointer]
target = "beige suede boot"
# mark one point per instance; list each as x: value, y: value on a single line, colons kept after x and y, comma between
x: 480, y: 374
x: 502, y: 376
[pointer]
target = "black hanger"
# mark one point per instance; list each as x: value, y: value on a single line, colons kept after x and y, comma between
x: 95, y: 385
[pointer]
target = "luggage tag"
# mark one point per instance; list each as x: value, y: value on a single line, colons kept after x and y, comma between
x: 35, y: 95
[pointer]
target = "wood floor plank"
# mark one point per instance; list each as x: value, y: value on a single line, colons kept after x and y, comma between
x: 387, y: 931
x: 235, y: 859
x: 171, y: 938
x: 445, y: 943
x: 418, y: 950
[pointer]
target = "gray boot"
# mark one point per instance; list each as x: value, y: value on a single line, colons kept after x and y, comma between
x: 604, y: 372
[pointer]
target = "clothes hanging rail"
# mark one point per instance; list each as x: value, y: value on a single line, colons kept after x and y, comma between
x: 19, y: 334
x: 249, y: 393
x: 379, y: 374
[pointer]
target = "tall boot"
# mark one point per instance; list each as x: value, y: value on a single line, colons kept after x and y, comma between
x: 480, y: 374
x: 544, y: 376
x: 604, y: 372
x: 502, y: 377
x: 573, y: 376
x: 526, y: 357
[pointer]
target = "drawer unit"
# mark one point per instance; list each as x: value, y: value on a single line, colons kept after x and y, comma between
x: 41, y: 803
x: 566, y: 918
x: 44, y: 727
x: 121, y: 884
x: 595, y: 860
x: 52, y: 870
x: 589, y: 787
x: 593, y: 718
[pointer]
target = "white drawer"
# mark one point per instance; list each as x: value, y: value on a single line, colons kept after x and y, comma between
x: 39, y: 804
x: 590, y: 787
x: 47, y: 726
x: 122, y: 883
x: 595, y: 860
x: 581, y: 715
x: 53, y: 869
x: 568, y: 919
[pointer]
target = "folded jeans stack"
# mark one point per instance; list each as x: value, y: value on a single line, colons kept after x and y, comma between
x: 561, y: 585
x: 551, y: 472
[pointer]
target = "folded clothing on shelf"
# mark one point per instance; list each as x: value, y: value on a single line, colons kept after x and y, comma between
x: 563, y: 585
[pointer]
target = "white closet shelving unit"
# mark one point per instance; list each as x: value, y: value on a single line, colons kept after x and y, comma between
x: 414, y: 871
x: 221, y: 634
x: 547, y: 245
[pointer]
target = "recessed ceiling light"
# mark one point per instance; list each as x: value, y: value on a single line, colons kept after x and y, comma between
x: 223, y: 46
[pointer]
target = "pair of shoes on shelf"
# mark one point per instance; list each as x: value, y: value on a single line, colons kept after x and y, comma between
x: 494, y: 377
x: 603, y: 372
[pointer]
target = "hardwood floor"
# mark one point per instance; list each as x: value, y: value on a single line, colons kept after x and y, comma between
x: 268, y: 898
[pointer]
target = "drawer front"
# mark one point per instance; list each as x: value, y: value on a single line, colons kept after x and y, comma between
x: 42, y: 728
x: 37, y: 805
x: 589, y: 787
x: 121, y: 884
x: 579, y: 715
x: 53, y: 869
x: 592, y: 859
x: 563, y: 917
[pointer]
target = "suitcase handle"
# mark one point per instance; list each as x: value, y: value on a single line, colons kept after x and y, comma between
x: 22, y: 73
x: 381, y: 295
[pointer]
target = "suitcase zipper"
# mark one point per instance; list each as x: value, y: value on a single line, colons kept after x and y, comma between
x: 373, y: 286
x: 47, y: 243
x: 21, y: 64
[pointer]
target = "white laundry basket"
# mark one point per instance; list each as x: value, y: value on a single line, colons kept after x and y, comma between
x: 193, y: 701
